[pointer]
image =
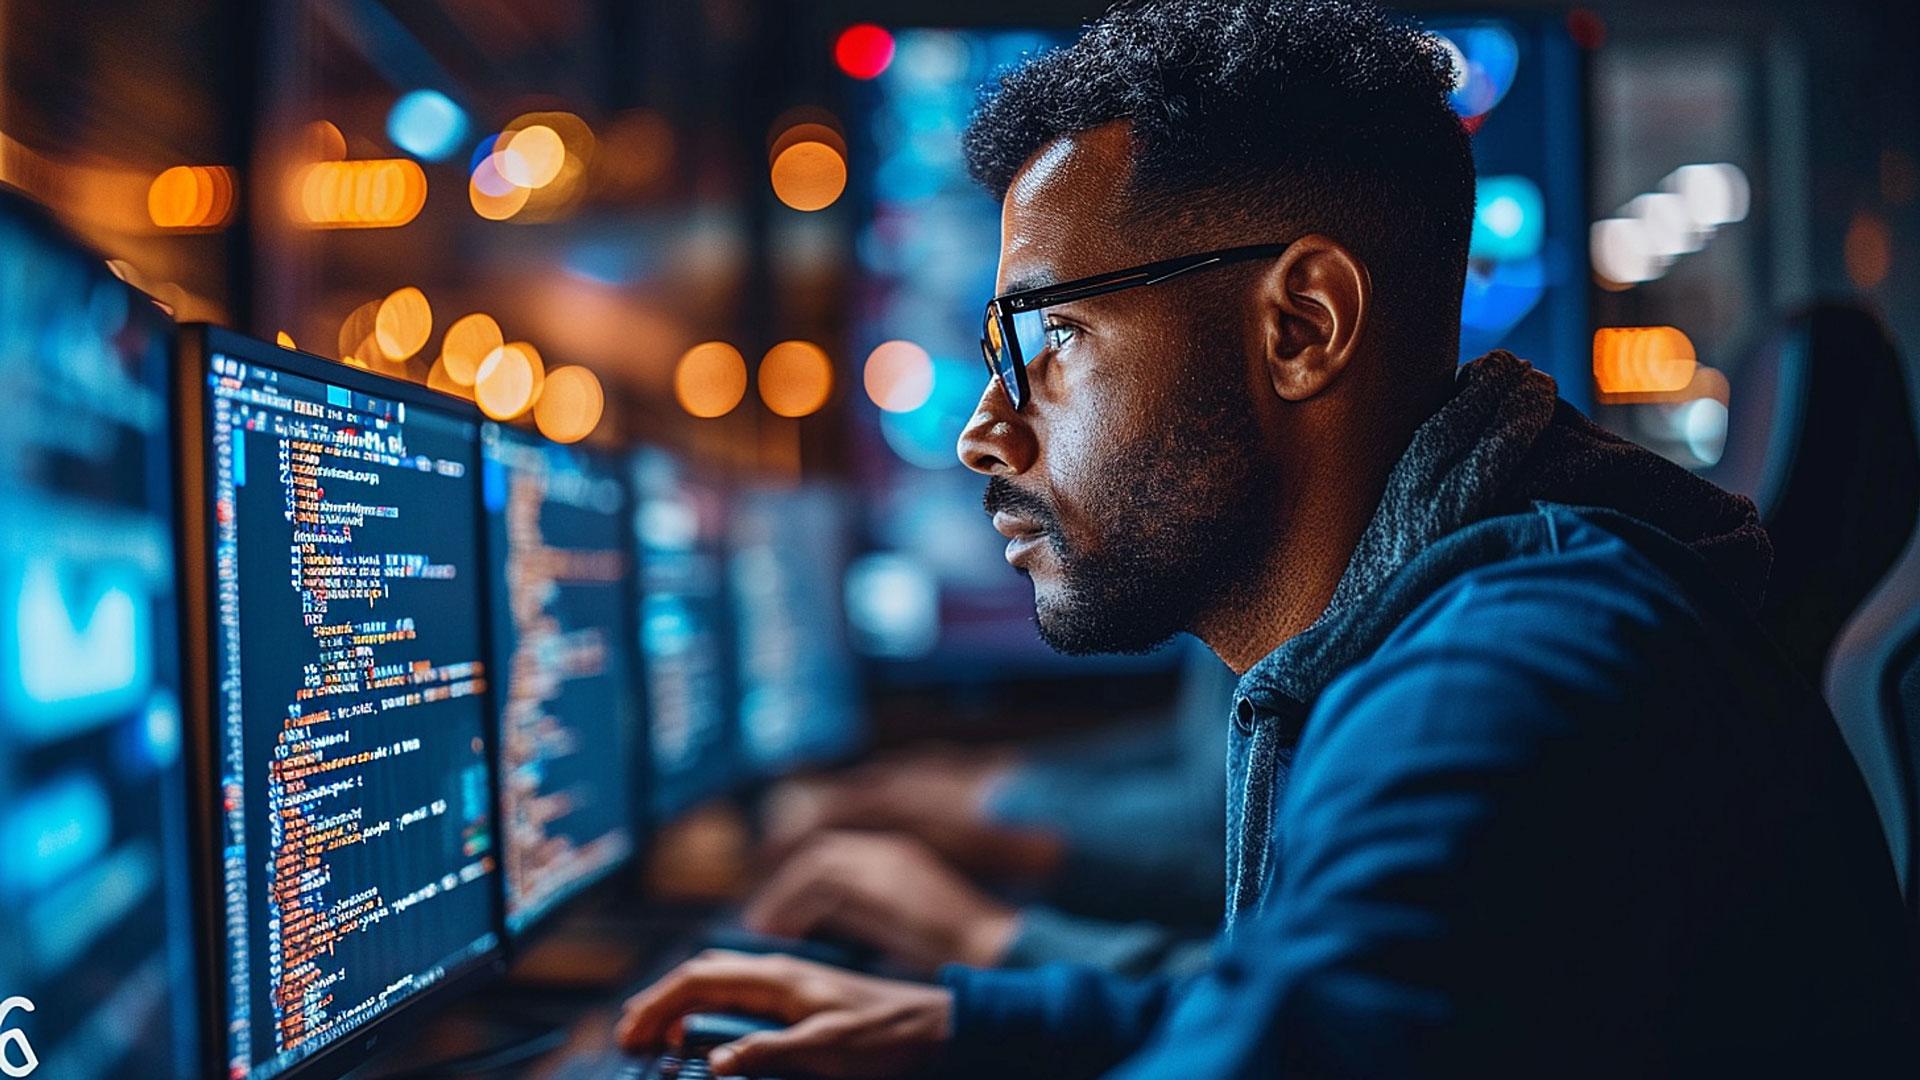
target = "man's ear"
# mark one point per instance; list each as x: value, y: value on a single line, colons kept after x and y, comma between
x: 1313, y: 303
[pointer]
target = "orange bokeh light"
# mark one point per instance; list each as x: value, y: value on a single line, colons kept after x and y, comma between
x: 493, y: 196
x: 403, y: 323
x: 570, y: 404
x: 322, y: 141
x: 710, y: 379
x: 899, y: 376
x: 439, y: 379
x: 1868, y: 250
x: 469, y: 341
x: 532, y: 156
x: 806, y: 131
x: 1642, y: 359
x: 356, y: 332
x: 796, y: 378
x: 809, y: 175
x: 378, y: 194
x: 191, y: 197
x: 508, y: 382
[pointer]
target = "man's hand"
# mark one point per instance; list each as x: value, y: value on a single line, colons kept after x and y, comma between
x: 889, y: 891
x: 938, y: 796
x: 839, y: 1024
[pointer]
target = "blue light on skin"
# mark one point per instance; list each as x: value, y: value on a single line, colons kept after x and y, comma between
x: 426, y: 124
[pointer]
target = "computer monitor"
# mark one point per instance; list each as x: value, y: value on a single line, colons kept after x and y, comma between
x: 560, y: 570
x: 348, y: 765
x: 97, y: 962
x: 800, y: 696
x: 679, y: 525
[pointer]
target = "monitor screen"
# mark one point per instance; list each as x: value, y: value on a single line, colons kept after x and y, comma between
x: 559, y: 563
x: 96, y: 943
x: 680, y: 529
x: 800, y: 696
x: 349, y: 719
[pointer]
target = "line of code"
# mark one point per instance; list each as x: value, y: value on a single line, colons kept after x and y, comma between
x: 351, y: 707
x: 559, y: 565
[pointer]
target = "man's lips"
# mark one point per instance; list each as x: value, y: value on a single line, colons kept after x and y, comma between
x: 1013, y: 526
x: 1021, y: 533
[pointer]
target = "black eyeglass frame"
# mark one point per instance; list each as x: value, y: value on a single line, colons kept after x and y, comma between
x: 1012, y: 374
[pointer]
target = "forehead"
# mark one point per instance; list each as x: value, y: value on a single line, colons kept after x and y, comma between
x: 1064, y: 212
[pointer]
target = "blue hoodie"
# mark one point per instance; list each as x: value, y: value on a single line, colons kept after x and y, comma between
x: 1534, y: 796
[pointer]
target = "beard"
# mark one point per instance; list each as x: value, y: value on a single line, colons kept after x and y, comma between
x: 1179, y: 521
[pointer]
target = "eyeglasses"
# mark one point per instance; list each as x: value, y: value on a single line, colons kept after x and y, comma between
x: 1016, y: 323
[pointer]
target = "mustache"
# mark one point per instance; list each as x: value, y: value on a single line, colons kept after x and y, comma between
x: 1001, y: 494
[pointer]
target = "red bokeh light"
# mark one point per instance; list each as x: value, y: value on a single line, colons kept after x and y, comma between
x: 1586, y: 28
x: 863, y: 50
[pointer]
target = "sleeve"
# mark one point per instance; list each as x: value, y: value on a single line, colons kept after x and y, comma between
x: 1058, y: 1022
x: 1445, y: 845
x: 1106, y: 800
x: 1048, y: 936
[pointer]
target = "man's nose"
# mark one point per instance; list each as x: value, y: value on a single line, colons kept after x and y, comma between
x: 997, y: 441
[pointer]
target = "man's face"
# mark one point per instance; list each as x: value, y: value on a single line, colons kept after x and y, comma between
x: 1129, y: 486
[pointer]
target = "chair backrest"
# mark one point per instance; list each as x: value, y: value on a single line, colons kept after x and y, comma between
x: 1873, y: 669
x: 1873, y: 684
x: 1822, y: 438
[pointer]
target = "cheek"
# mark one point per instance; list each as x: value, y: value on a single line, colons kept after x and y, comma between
x: 1090, y: 459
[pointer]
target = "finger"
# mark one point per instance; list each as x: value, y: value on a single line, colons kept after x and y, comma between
x: 711, y: 982
x: 806, y: 1046
x: 793, y: 904
x: 817, y: 811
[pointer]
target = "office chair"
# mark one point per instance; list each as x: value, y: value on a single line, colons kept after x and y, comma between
x: 1873, y: 676
x: 1873, y: 684
x: 1821, y: 437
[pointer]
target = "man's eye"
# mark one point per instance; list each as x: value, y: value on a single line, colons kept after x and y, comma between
x: 1059, y: 334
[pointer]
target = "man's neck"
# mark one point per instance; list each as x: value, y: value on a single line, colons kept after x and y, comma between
x: 1292, y: 586
x: 1321, y: 515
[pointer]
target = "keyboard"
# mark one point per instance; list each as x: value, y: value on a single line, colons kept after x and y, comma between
x: 617, y: 1066
x: 701, y: 1032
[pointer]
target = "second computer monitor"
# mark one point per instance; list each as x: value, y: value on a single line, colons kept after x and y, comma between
x: 680, y: 533
x: 560, y: 566
x: 799, y: 687
x: 97, y: 961
x: 349, y: 757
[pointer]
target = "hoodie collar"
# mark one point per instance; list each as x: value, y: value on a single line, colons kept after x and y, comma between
x: 1503, y: 441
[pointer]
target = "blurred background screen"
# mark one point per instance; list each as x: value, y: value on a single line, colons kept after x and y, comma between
x: 94, y: 888
x: 680, y: 527
x: 564, y: 691
x: 800, y: 697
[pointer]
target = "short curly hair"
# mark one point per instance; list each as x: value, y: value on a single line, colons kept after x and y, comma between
x: 1264, y: 120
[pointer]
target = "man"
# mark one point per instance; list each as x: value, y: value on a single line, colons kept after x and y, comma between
x: 1515, y: 786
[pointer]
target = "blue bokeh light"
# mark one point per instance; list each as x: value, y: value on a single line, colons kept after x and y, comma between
x: 1486, y: 59
x: 426, y: 124
x: 1509, y: 220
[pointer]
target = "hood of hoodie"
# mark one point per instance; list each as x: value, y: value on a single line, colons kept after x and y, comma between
x: 1501, y: 444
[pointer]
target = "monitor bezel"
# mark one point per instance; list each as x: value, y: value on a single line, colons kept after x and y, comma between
x: 197, y: 344
x: 607, y: 880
